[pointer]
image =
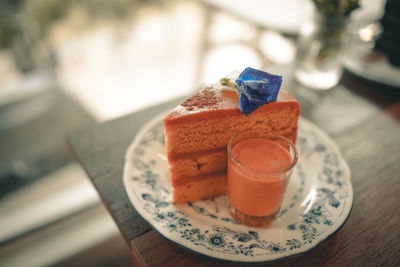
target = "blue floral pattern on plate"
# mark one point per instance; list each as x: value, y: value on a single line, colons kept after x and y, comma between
x: 317, y: 202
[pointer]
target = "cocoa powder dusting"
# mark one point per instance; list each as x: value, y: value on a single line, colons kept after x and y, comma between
x: 205, y: 98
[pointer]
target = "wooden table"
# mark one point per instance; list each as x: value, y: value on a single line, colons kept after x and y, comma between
x: 371, y: 235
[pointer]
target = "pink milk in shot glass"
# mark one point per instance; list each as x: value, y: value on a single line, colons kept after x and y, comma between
x: 259, y: 167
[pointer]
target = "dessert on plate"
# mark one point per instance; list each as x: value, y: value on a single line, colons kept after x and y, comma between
x: 198, y: 130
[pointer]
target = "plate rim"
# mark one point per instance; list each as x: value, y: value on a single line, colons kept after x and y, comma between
x: 156, y: 119
x: 350, y: 62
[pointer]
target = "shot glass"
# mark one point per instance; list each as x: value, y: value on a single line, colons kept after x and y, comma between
x: 259, y: 167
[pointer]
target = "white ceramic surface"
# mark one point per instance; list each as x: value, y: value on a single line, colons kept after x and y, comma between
x: 318, y: 201
x: 380, y: 71
x: 288, y: 15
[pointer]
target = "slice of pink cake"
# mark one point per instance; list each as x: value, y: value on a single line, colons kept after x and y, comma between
x: 198, y: 130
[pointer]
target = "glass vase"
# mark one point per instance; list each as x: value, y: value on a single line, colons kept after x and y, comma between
x: 320, y: 45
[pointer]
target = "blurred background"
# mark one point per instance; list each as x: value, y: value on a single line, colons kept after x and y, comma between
x: 68, y: 64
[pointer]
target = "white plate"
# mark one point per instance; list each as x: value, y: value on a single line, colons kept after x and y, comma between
x: 317, y: 202
x: 288, y: 15
x: 380, y: 71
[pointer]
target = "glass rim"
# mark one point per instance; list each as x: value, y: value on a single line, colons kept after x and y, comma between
x: 279, y: 171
